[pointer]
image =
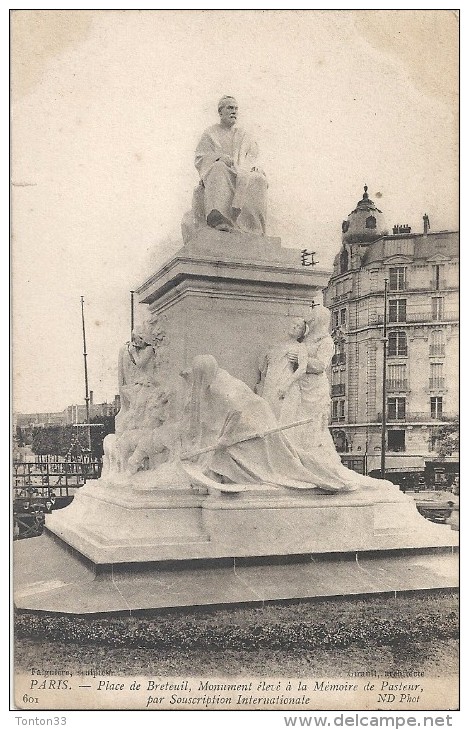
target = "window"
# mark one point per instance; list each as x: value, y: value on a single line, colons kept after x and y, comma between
x: 343, y: 315
x: 397, y: 310
x: 336, y: 319
x: 343, y: 261
x: 370, y: 222
x: 397, y: 278
x: 433, y: 440
x: 437, y: 308
x: 436, y: 407
x: 396, y: 440
x: 397, y: 343
x: 440, y: 478
x: 436, y: 376
x: 338, y: 410
x: 397, y: 377
x: 437, y: 343
x: 396, y: 409
x: 436, y: 277
x: 338, y: 358
x: 340, y: 441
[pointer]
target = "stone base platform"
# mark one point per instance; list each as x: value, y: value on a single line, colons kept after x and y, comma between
x: 112, y: 525
x: 50, y: 577
x: 123, y: 549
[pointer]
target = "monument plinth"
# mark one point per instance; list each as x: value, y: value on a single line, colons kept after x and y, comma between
x: 112, y: 527
x: 230, y: 294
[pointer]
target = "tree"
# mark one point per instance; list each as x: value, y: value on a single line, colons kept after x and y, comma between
x: 51, y: 440
x: 73, y: 439
x: 448, y: 438
x: 98, y: 433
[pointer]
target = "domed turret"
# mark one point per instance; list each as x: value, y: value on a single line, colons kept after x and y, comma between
x: 364, y: 224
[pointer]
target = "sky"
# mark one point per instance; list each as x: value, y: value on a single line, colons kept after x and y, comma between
x: 107, y: 108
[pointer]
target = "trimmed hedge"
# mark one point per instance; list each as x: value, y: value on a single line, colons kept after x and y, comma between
x: 376, y: 621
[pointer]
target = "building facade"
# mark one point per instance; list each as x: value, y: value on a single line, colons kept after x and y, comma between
x: 422, y: 270
x: 75, y: 413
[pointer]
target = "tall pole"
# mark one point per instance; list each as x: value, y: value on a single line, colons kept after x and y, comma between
x: 87, y: 395
x: 384, y: 405
x: 131, y: 312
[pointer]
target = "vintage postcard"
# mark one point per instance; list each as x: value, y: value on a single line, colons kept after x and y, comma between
x: 235, y: 259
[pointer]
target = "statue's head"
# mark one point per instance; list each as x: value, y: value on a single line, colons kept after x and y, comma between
x: 320, y: 321
x: 228, y: 110
x: 137, y: 336
x: 141, y: 336
x: 298, y: 328
x: 204, y: 370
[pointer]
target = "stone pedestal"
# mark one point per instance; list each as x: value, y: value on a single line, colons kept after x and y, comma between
x: 230, y: 295
x: 118, y: 549
x: 112, y: 526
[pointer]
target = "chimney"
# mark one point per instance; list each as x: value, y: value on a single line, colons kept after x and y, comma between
x: 426, y: 224
x: 91, y: 397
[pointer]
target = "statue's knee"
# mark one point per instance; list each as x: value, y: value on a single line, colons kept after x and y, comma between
x: 258, y: 180
x: 219, y: 171
x: 219, y: 166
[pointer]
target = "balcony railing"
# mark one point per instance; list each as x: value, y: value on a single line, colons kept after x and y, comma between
x: 424, y: 416
x: 417, y: 417
x: 396, y: 417
x: 451, y: 316
x: 420, y: 417
x: 397, y: 384
x: 335, y: 419
x: 339, y: 358
x: 436, y: 383
x: 437, y: 350
x: 338, y: 389
x: 397, y: 352
x: 411, y: 317
x: 340, y: 297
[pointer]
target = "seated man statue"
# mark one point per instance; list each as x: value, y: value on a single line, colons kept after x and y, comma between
x: 232, y: 190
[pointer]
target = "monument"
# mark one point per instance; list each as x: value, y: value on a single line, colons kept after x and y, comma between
x: 222, y: 484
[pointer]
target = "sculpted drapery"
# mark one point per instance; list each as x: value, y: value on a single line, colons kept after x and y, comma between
x: 307, y: 396
x: 224, y: 409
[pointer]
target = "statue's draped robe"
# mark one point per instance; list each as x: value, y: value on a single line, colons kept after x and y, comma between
x: 237, y: 194
x: 222, y: 405
x: 309, y: 398
x: 314, y: 401
x: 278, y: 370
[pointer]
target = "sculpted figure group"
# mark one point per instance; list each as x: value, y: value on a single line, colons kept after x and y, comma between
x: 146, y: 423
x: 223, y: 435
x: 226, y: 435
